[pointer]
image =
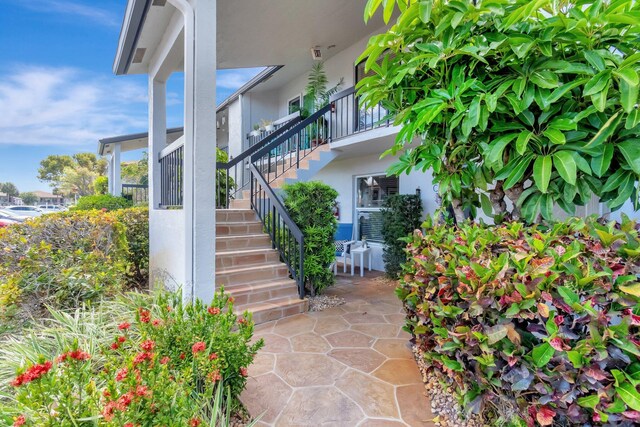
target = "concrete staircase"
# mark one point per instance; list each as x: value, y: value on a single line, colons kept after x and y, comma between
x: 250, y: 269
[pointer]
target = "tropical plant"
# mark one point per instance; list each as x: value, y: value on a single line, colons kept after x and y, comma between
x: 317, y: 94
x: 310, y: 205
x: 102, y: 201
x: 532, y: 100
x: 531, y: 322
x: 137, y: 360
x: 401, y: 215
x: 101, y: 185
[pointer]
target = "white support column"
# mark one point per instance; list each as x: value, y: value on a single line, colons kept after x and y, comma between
x: 109, y: 175
x: 157, y: 136
x: 199, y: 147
x: 117, y: 179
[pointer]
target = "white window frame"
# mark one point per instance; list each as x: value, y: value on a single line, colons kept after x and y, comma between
x: 356, y: 209
x: 298, y: 97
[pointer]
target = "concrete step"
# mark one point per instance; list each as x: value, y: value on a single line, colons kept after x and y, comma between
x: 240, y: 275
x: 239, y: 228
x: 248, y: 241
x: 260, y: 292
x: 246, y: 257
x: 240, y: 204
x: 235, y: 215
x: 274, y: 309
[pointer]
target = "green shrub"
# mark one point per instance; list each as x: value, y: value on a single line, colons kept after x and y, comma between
x: 310, y: 205
x: 144, y: 360
x: 401, y: 215
x: 102, y: 201
x: 69, y: 258
x: 538, y: 322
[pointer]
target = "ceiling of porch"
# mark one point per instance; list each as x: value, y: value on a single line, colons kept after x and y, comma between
x: 254, y: 33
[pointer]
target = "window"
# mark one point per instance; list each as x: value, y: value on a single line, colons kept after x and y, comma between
x: 371, y: 192
x: 294, y: 105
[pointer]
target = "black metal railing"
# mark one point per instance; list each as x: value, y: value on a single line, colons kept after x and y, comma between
x: 286, y: 236
x: 172, y: 178
x: 233, y: 176
x: 137, y: 193
x: 258, y: 136
x: 286, y: 152
x: 348, y: 117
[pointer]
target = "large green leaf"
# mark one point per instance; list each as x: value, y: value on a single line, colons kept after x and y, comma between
x: 555, y: 136
x: 597, y: 83
x: 522, y: 141
x: 628, y: 96
x: 629, y: 395
x: 496, y: 148
x: 542, y: 354
x: 566, y: 166
x: 629, y: 75
x: 542, y: 172
x: 630, y: 149
x: 424, y: 9
x: 600, y: 164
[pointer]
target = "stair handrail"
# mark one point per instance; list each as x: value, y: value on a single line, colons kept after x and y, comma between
x: 271, y: 222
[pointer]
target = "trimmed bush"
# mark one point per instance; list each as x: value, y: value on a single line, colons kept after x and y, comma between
x: 401, y: 215
x: 67, y: 259
x: 310, y: 205
x: 102, y: 201
x: 540, y: 323
x: 138, y: 360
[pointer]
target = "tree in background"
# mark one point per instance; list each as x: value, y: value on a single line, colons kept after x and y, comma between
x: 65, y: 173
x: 29, y: 198
x: 136, y: 172
x: 101, y: 185
x: 9, y: 188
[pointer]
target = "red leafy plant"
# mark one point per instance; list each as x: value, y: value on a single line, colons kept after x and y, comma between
x: 163, y: 365
x: 540, y: 322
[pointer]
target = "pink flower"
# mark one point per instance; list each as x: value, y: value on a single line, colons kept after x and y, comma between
x: 20, y: 420
x: 215, y: 376
x: 145, y: 315
x: 122, y: 374
x: 148, y: 345
x: 156, y: 322
x: 141, y: 357
x: 213, y: 356
x: 124, y: 326
x: 213, y: 310
x: 195, y: 422
x: 164, y: 360
x: 243, y: 372
x: 242, y: 321
x: 198, y: 347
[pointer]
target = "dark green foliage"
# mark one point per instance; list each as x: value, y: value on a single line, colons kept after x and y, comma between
x: 310, y: 205
x: 401, y: 215
x: 136, y: 227
x: 102, y: 201
x: 539, y: 322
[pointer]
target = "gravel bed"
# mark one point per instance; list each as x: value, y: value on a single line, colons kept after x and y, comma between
x: 322, y: 302
x: 444, y: 405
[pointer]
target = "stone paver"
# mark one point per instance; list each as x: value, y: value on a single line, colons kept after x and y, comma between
x: 346, y: 366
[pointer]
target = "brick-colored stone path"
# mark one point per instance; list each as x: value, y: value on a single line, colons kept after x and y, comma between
x: 346, y: 366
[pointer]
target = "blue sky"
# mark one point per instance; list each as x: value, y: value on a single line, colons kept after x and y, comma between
x: 57, y: 92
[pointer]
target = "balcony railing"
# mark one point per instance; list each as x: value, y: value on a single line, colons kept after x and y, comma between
x: 137, y: 193
x: 262, y: 134
x: 172, y: 175
x: 348, y: 118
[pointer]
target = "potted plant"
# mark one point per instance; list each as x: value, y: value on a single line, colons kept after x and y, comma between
x: 316, y: 97
x: 255, y: 131
x: 267, y: 125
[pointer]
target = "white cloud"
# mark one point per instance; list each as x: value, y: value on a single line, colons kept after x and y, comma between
x: 67, y: 107
x: 72, y: 8
x: 233, y: 79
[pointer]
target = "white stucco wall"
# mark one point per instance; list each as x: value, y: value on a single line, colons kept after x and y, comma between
x: 341, y: 174
x: 261, y: 105
x: 167, y: 238
x: 236, y: 136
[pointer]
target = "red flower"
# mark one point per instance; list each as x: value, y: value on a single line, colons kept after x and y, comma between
x: 122, y: 374
x: 128, y: 425
x: 198, y: 347
x: 108, y: 411
x: 20, y: 420
x: 213, y: 356
x: 169, y: 309
x: 164, y: 360
x: 142, y: 390
x: 148, y: 345
x: 213, y: 310
x: 125, y: 400
x: 156, y: 322
x: 141, y: 357
x: 195, y: 422
x: 231, y: 300
x: 242, y: 321
x: 122, y: 339
x: 106, y: 393
x: 182, y: 356
x: 215, y: 376
x: 32, y: 374
x: 124, y: 326
x: 115, y: 346
x: 243, y: 372
x: 145, y: 315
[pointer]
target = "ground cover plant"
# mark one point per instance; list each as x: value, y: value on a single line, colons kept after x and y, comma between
x: 310, y: 205
x: 540, y: 323
x: 67, y: 259
x: 136, y: 360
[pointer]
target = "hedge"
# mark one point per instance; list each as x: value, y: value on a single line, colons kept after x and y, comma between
x: 534, y: 321
x: 102, y: 201
x: 401, y: 215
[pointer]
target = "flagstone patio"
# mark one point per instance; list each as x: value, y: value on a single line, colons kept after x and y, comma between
x: 350, y: 365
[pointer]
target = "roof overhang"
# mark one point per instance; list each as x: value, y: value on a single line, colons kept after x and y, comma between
x: 134, y: 141
x: 250, y: 33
